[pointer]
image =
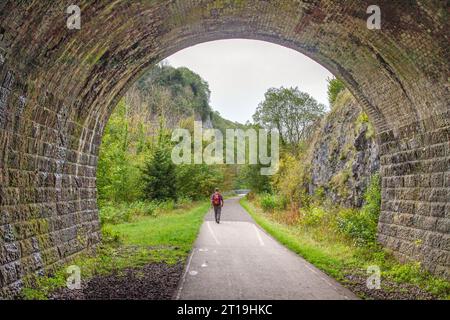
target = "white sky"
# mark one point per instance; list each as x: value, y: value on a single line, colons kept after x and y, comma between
x: 240, y: 71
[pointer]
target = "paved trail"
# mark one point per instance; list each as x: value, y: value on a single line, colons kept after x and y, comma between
x: 238, y: 260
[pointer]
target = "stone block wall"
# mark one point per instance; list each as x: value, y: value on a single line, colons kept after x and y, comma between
x: 415, y: 218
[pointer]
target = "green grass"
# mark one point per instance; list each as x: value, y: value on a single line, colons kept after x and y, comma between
x: 177, y: 230
x: 168, y: 238
x: 302, y: 243
x: 337, y: 257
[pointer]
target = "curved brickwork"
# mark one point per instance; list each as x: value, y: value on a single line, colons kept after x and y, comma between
x: 58, y: 86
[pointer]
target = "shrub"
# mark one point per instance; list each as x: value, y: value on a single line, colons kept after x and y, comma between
x: 357, y: 225
x: 372, y: 197
x: 314, y: 216
x: 114, y: 213
x: 270, y: 202
x: 167, y: 205
x: 361, y: 225
x: 319, y: 193
x: 110, y: 237
x: 251, y: 196
x: 142, y: 208
x: 183, y: 201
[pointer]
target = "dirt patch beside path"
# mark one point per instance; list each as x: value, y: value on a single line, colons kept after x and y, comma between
x: 156, y: 281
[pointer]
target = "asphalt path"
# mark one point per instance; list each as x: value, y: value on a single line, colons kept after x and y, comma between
x: 237, y: 260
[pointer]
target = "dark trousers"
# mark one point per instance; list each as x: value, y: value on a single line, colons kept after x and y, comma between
x: 217, y: 211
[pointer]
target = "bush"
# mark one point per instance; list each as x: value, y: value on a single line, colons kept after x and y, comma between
x: 270, y: 202
x: 114, y: 213
x: 110, y: 237
x: 183, y: 201
x: 372, y: 197
x: 361, y: 225
x: 319, y: 193
x: 142, y: 208
x: 357, y: 225
x: 251, y: 196
x: 167, y: 205
x: 314, y: 216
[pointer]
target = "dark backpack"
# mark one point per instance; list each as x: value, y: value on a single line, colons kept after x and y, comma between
x: 216, y: 199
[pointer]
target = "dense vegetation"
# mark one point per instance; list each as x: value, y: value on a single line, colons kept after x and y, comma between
x: 136, y: 174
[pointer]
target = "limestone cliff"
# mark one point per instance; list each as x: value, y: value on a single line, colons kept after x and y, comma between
x: 344, y: 154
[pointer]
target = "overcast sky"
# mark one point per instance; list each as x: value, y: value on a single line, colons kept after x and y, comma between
x: 239, y: 72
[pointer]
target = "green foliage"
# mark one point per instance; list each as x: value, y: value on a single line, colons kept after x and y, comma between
x: 335, y: 86
x: 135, y: 157
x: 109, y: 236
x: 361, y: 225
x: 270, y: 202
x: 118, y: 174
x: 117, y: 213
x: 159, y: 176
x: 293, y: 177
x: 179, y: 90
x: 358, y: 226
x: 250, y: 177
x: 372, y: 197
x: 114, y: 213
x: 319, y: 193
x: 363, y: 119
x: 291, y: 111
x: 314, y: 216
x: 198, y: 181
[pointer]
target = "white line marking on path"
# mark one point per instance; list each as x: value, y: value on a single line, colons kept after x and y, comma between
x: 212, y: 233
x: 261, y: 242
x: 183, y: 280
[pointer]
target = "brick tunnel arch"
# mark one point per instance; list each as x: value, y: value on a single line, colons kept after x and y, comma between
x: 59, y: 86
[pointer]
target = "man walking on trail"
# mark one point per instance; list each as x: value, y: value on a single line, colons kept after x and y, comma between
x: 217, y: 203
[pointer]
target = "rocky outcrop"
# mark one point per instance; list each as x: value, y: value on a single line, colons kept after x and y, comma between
x: 345, y: 154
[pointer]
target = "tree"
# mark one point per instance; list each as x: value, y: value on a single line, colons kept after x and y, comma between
x: 118, y: 175
x: 250, y: 177
x: 159, y: 173
x: 197, y: 181
x: 335, y: 86
x: 159, y: 176
x: 291, y: 111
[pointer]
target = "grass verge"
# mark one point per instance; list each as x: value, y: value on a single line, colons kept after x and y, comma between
x: 167, y: 237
